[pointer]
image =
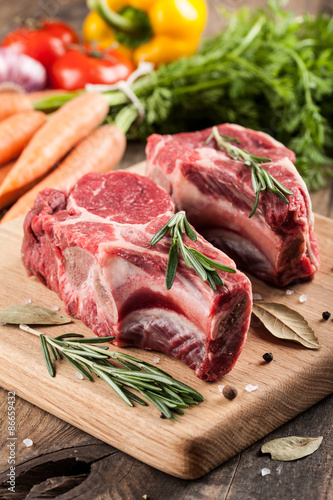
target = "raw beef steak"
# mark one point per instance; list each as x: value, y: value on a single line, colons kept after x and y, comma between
x: 92, y: 247
x: 278, y: 243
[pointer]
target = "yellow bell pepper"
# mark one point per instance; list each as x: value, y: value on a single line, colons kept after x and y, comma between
x: 155, y: 30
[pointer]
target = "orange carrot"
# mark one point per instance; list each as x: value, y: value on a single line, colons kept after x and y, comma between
x: 71, y: 123
x: 12, y: 103
x: 99, y: 152
x: 16, y: 131
x: 4, y: 169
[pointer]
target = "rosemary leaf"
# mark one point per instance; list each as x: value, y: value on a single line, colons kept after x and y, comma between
x: 95, y: 340
x: 211, y: 282
x: 114, y: 386
x: 86, y: 353
x: 69, y: 335
x: 159, y: 404
x: 214, y: 263
x: 189, y: 231
x: 134, y: 397
x: 158, y: 236
x: 78, y: 367
x: 47, y: 357
x: 172, y: 265
x: 54, y: 352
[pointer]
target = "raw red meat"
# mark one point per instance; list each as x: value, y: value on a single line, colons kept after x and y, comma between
x: 278, y: 243
x: 92, y: 247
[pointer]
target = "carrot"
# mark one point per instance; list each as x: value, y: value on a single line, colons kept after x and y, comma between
x: 4, y: 169
x: 73, y: 121
x: 99, y: 152
x: 12, y: 103
x: 16, y: 131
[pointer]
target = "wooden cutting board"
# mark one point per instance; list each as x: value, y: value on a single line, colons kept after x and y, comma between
x: 208, y: 434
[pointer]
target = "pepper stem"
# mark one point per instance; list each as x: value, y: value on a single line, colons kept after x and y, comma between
x: 131, y: 25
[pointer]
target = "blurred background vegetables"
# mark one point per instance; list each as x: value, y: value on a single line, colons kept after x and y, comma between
x: 268, y: 70
x: 44, y: 40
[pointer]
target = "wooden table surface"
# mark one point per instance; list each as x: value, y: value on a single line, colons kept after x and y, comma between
x: 65, y: 463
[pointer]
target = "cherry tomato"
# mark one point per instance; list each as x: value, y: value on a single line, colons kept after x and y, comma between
x: 78, y: 67
x: 44, y: 40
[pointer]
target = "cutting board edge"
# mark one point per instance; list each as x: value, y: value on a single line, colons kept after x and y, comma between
x: 201, y: 453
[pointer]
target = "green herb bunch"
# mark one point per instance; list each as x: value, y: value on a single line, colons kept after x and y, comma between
x: 169, y: 395
x: 205, y: 267
x: 260, y: 178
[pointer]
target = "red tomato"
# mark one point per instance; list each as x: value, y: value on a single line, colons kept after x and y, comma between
x: 77, y: 67
x: 45, y: 41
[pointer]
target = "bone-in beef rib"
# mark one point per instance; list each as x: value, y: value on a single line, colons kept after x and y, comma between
x: 92, y: 247
x: 278, y: 243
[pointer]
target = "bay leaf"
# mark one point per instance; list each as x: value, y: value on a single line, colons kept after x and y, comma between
x: 31, y: 314
x: 291, y: 447
x: 286, y: 323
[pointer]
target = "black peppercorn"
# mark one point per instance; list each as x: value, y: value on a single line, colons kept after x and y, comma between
x: 326, y: 315
x: 268, y: 357
x: 162, y: 416
x: 230, y: 392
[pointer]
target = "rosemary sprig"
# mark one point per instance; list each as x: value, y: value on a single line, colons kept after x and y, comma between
x: 168, y: 394
x: 260, y: 178
x: 202, y: 265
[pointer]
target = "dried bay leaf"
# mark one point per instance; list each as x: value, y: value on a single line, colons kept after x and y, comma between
x: 286, y: 323
x: 291, y: 447
x: 31, y: 314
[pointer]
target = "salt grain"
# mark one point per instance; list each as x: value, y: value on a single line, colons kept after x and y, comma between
x: 251, y: 388
x: 28, y: 442
x: 265, y: 471
x: 55, y: 308
x: 3, y: 323
x: 156, y: 359
x: 28, y: 301
x: 257, y: 296
x: 303, y: 298
x: 79, y: 375
x: 220, y: 387
x: 289, y: 292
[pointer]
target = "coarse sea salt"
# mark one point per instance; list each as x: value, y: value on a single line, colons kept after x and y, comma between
x: 220, y: 387
x: 55, y: 308
x: 265, y: 471
x: 79, y: 375
x: 156, y: 359
x: 289, y: 292
x: 27, y: 301
x: 303, y: 298
x: 28, y: 442
x: 257, y: 296
x: 3, y: 323
x: 251, y: 388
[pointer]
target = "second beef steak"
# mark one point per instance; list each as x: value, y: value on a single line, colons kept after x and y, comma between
x: 278, y: 243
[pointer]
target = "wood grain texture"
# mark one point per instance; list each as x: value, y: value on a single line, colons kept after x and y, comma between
x: 212, y: 432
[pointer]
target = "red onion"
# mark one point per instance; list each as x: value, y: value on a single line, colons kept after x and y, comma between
x: 21, y: 70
